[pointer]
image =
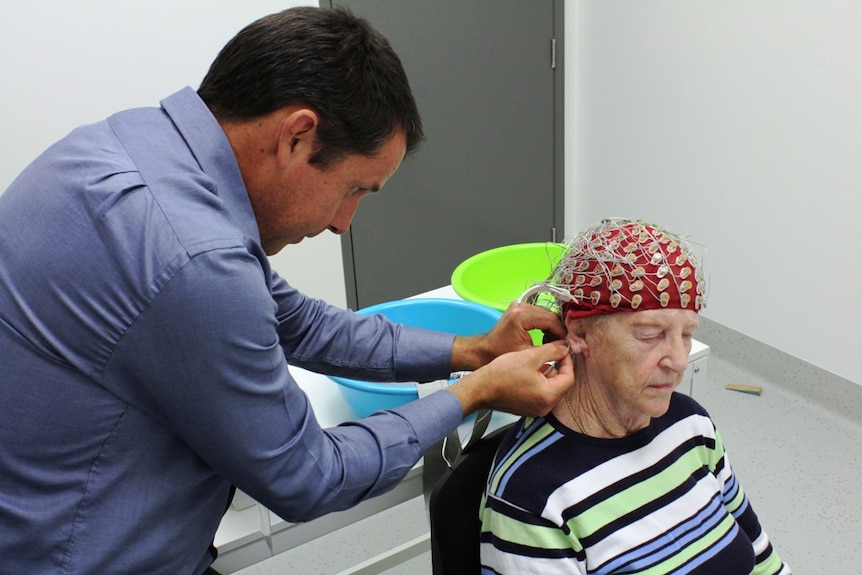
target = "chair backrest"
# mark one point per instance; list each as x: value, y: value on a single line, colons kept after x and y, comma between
x: 454, y: 509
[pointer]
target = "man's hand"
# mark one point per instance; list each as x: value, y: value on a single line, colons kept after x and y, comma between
x: 511, y: 333
x: 518, y: 382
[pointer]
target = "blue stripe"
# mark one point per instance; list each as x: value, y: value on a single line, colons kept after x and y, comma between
x: 538, y: 448
x: 709, y: 553
x: 671, y: 542
x: 731, y: 488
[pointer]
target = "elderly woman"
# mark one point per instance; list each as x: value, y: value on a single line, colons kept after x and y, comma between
x: 624, y: 475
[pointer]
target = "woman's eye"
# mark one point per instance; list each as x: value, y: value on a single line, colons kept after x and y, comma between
x: 647, y: 335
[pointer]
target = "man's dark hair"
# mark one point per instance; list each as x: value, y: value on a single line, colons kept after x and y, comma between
x: 326, y: 59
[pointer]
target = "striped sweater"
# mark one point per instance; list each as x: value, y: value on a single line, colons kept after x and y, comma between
x: 663, y: 500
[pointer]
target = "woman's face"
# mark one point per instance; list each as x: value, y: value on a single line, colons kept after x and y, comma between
x: 634, y: 360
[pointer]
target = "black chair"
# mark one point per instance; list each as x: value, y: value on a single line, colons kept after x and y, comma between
x: 454, y: 509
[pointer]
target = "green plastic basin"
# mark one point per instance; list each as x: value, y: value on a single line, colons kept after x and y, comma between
x: 499, y: 276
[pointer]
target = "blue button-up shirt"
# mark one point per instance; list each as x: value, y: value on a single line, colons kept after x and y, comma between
x: 144, y: 345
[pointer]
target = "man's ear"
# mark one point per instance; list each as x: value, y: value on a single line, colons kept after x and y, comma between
x: 298, y: 134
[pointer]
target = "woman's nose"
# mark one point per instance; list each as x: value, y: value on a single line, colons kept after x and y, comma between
x: 677, y: 354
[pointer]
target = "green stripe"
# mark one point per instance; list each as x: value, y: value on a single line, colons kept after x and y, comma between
x: 529, y: 535
x: 611, y: 508
x: 539, y: 435
x: 695, y: 548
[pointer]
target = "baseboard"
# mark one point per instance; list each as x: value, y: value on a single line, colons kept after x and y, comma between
x: 826, y: 389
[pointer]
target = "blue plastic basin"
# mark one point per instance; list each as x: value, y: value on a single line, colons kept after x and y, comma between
x: 449, y: 315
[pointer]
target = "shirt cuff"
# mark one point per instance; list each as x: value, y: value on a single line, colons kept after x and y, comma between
x: 427, y: 354
x: 433, y: 417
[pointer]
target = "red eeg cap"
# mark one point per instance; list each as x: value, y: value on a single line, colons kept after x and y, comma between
x: 625, y: 265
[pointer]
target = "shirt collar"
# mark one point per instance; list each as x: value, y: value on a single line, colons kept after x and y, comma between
x: 211, y: 148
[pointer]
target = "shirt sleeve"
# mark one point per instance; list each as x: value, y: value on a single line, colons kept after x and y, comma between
x: 207, y: 360
x: 326, y: 339
x: 766, y: 559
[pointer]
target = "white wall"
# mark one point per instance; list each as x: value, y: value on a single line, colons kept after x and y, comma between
x: 739, y: 124
x: 734, y: 122
x: 64, y: 64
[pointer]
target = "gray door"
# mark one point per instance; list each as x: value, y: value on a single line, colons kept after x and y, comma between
x: 487, y: 77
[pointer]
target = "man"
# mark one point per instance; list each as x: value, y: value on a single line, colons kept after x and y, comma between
x: 144, y: 340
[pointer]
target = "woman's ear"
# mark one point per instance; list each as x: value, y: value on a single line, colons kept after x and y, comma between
x: 576, y: 335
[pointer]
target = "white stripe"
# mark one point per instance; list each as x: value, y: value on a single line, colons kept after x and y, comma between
x: 624, y: 465
x: 522, y: 565
x: 725, y: 472
x: 659, y: 522
x: 761, y: 543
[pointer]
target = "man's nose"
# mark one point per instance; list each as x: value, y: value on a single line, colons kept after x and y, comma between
x: 340, y: 223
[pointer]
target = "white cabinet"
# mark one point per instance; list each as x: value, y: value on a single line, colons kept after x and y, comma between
x: 695, y: 373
